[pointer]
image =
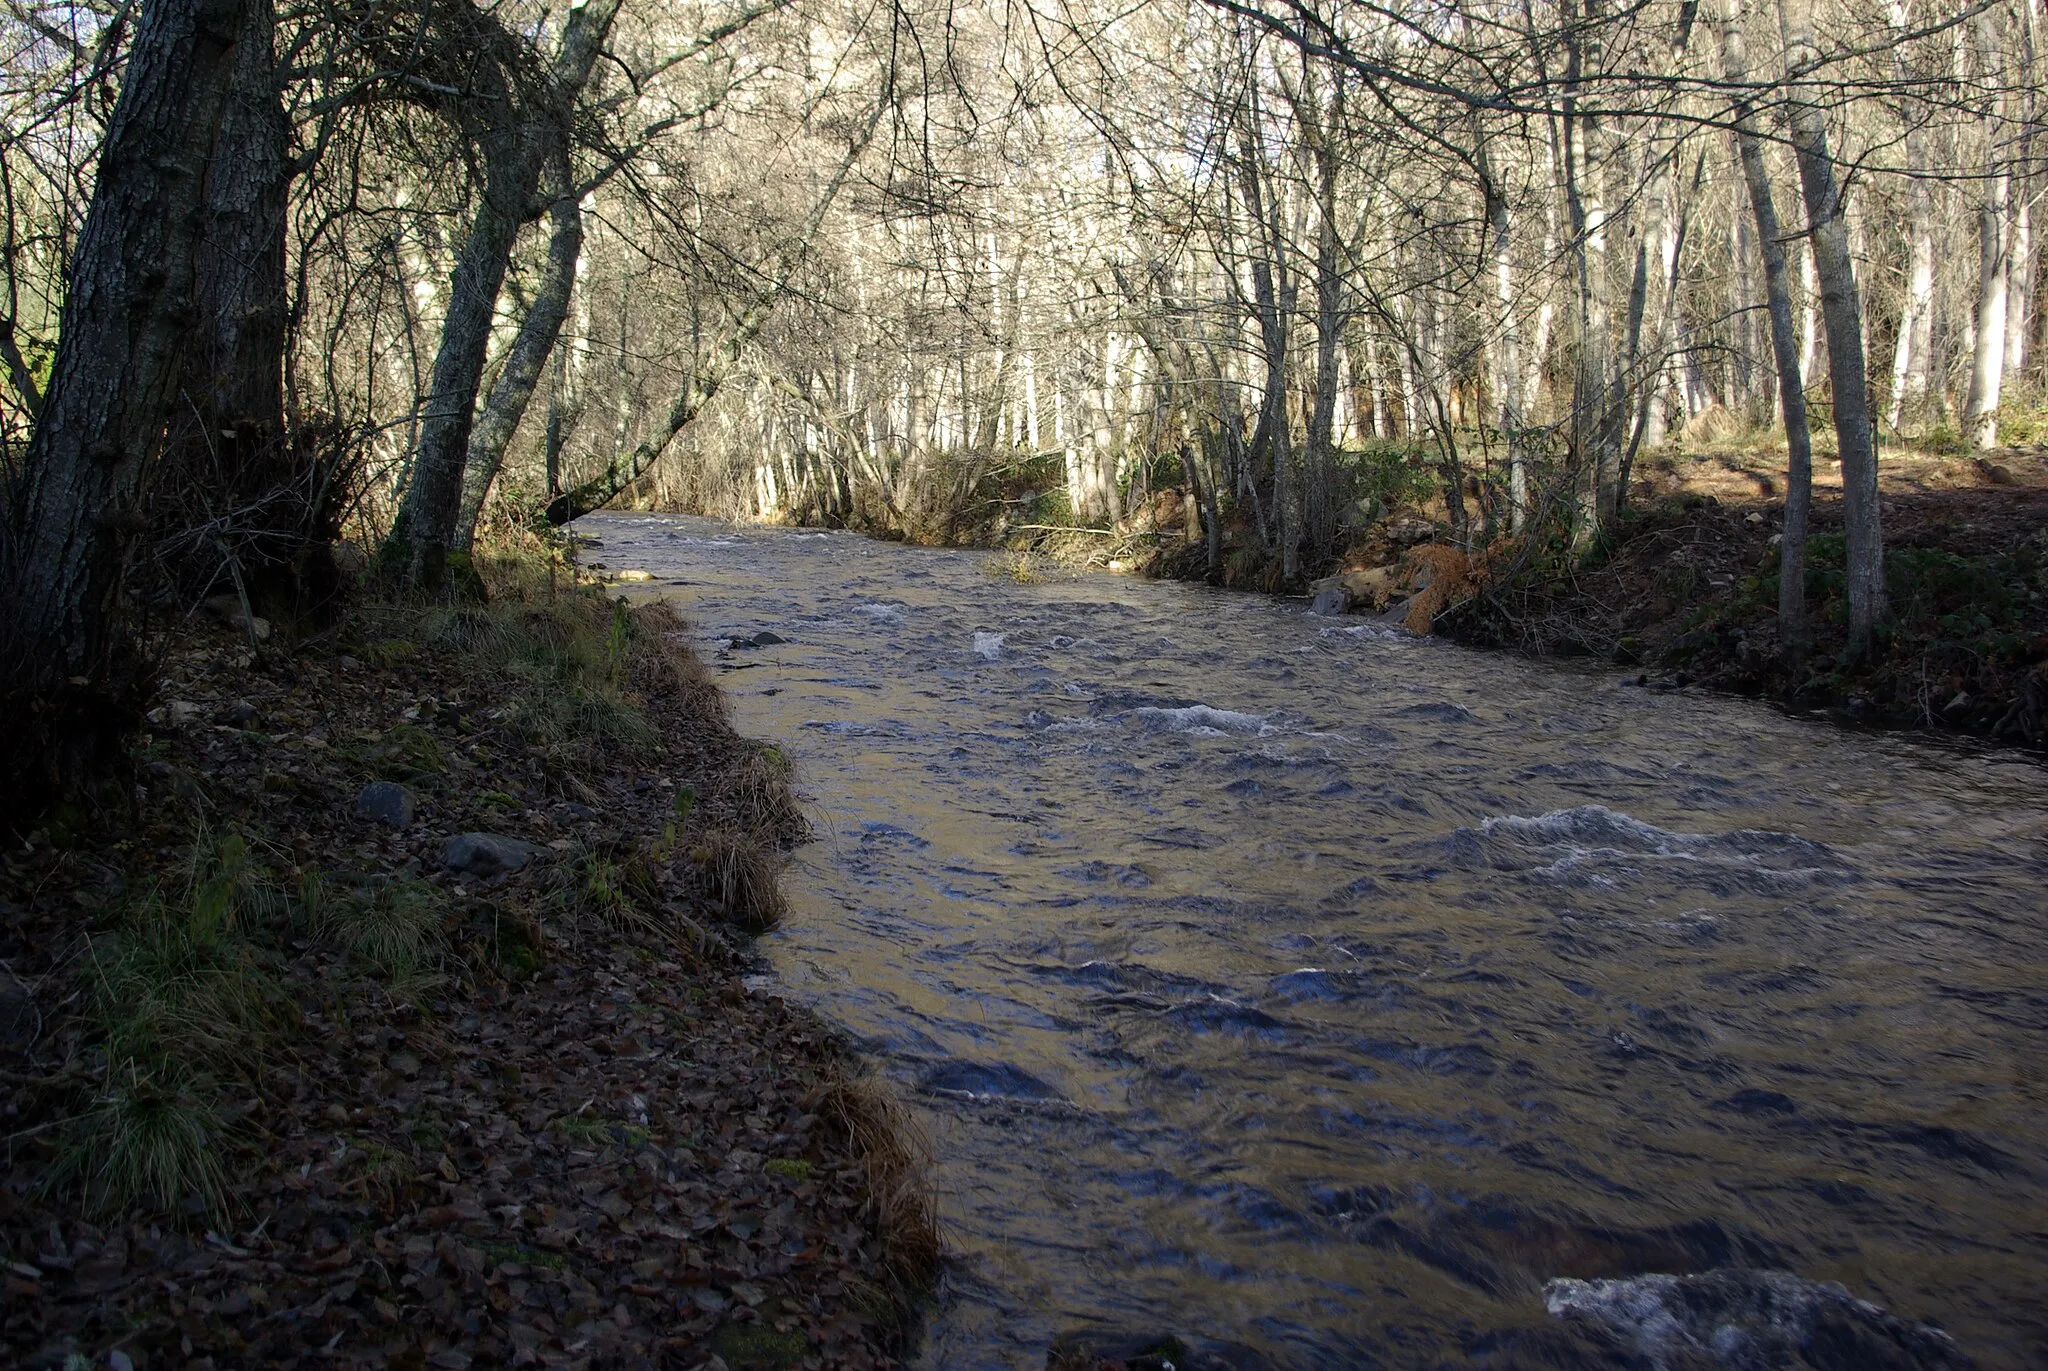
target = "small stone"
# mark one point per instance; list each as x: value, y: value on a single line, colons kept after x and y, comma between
x: 182, y: 713
x: 765, y: 638
x: 1753, y: 517
x: 633, y: 574
x: 241, y: 714
x: 385, y: 802
x: 348, y: 663
x: 487, y: 854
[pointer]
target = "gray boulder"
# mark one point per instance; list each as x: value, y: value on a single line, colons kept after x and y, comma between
x: 487, y: 854
x: 385, y: 802
x: 1331, y: 600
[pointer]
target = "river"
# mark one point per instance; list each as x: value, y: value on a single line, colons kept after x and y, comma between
x: 1270, y: 980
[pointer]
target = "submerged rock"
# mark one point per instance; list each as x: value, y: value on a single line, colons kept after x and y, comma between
x: 1750, y: 1320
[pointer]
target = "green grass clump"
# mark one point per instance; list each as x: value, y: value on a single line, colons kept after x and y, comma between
x: 151, y: 1138
x: 391, y: 927
x: 584, y: 1130
x: 497, y: 1254
x: 564, y: 665
x: 789, y: 1168
x: 180, y: 1000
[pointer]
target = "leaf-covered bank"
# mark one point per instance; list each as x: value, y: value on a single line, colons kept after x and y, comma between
x: 1687, y: 591
x: 396, y: 1019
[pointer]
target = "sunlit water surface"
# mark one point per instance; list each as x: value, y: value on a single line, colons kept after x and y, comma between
x: 1266, y: 978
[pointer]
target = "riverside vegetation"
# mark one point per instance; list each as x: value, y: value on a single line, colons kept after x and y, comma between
x: 394, y: 1017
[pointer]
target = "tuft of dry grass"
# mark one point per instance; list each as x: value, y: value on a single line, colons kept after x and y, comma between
x: 895, y: 1156
x: 662, y: 665
x: 741, y: 871
x: 756, y: 792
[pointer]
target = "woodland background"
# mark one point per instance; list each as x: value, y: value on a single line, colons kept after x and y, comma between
x: 280, y: 278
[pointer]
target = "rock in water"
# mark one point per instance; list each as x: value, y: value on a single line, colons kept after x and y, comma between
x: 384, y: 802
x: 1741, y: 1319
x: 486, y: 854
x: 1331, y: 600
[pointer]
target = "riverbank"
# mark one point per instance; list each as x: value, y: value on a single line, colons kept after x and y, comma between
x: 397, y: 1018
x: 1685, y: 592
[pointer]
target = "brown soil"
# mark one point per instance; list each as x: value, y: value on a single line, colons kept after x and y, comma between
x: 579, y: 1142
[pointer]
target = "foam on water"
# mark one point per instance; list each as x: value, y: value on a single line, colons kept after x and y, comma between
x: 1199, y: 719
x: 989, y: 645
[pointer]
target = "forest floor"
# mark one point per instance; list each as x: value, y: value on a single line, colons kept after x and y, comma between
x: 298, y: 1074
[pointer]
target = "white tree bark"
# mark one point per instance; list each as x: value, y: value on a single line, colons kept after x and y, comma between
x: 1987, y: 352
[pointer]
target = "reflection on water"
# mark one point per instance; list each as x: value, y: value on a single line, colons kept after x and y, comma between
x: 1326, y: 994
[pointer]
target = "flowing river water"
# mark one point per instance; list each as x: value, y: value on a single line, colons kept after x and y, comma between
x: 1268, y: 979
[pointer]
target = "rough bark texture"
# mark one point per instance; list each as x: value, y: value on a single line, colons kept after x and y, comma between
x: 1792, y: 627
x: 235, y: 370
x: 1841, y: 309
x: 125, y: 325
x: 233, y: 499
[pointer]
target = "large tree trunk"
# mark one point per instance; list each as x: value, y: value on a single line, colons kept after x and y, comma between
x: 1507, y: 343
x: 1792, y: 628
x: 234, y: 372
x: 517, y: 379
x: 1273, y: 300
x: 228, y: 467
x: 126, y: 322
x: 1987, y: 352
x: 516, y: 143
x: 1840, y: 307
x: 424, y: 531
